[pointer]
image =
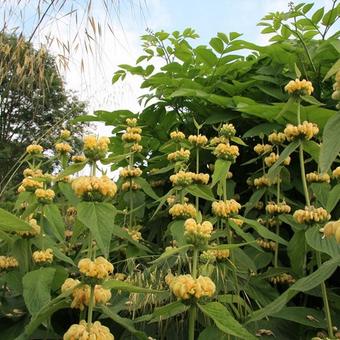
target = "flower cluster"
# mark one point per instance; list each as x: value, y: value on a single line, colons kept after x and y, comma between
x: 78, y: 158
x: 81, y: 294
x: 299, y: 87
x: 95, y: 148
x: 261, y: 149
x: 185, y: 286
x: 132, y: 135
x: 186, y: 178
x: 131, y: 122
x: 265, y: 244
x: 264, y: 181
x: 99, y: 269
x: 83, y: 331
x: 273, y: 208
x: 269, y: 222
x: 272, y: 159
x: 34, y: 149
x: 225, y: 208
x: 43, y: 256
x: 212, y: 255
x: 130, y: 172
x: 177, y: 136
x: 185, y: 210
x: 336, y: 172
x: 311, y: 215
x: 32, y: 173
x: 30, y: 184
x: 44, y: 195
x: 237, y: 221
x: 332, y: 228
x: 314, y: 177
x: 94, y: 188
x: 283, y: 278
x: 198, y: 140
x: 34, y: 231
x: 181, y: 155
x: 277, y: 138
x: 227, y: 130
x: 134, y: 234
x: 126, y: 186
x: 63, y: 148
x: 226, y: 151
x: 305, y: 130
x: 136, y: 148
x: 65, y: 134
x: 8, y: 262
x: 197, y: 233
x: 336, y: 88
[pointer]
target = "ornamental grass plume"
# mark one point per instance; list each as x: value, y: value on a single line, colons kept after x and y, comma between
x: 43, y: 256
x: 225, y: 208
x: 83, y: 331
x: 8, y: 263
x: 34, y: 149
x: 198, y: 140
x: 311, y: 215
x: 63, y: 148
x: 99, y: 269
x: 261, y: 149
x: 185, y: 210
x: 94, y: 188
x: 299, y: 87
x: 306, y: 130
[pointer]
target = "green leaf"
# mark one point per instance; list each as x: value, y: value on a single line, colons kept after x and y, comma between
x: 128, y: 287
x: 330, y: 147
x: 303, y: 285
x: 224, y: 320
x: 68, y: 192
x: 146, y: 187
x: 72, y: 169
x: 264, y: 128
x: 217, y: 45
x: 169, y: 253
x: 334, y: 69
x: 126, y: 323
x: 55, y: 221
x: 238, y: 140
x: 289, y: 149
x: 312, y: 148
x: 37, y: 285
x: 321, y: 191
x: 325, y: 245
x: 254, y: 199
x: 230, y: 246
x: 333, y: 198
x: 169, y: 311
x: 234, y: 35
x: 221, y: 169
x: 212, y: 332
x: 200, y: 190
x: 317, y: 16
x: 311, y: 100
x: 206, y: 55
x: 9, y: 222
x: 99, y: 218
x: 296, y: 251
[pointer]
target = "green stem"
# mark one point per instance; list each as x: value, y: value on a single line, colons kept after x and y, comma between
x: 90, y: 309
x: 325, y: 300
x: 197, y: 171
x: 192, y: 311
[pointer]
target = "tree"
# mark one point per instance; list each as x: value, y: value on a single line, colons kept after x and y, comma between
x: 33, y: 101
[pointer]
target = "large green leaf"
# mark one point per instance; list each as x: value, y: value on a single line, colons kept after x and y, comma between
x: 55, y: 221
x: 296, y: 251
x: 72, y: 169
x: 200, y: 190
x: 9, y: 222
x: 330, y: 147
x: 333, y: 198
x: 170, y: 253
x: 128, y: 287
x: 303, y: 285
x: 99, y: 218
x: 146, y: 187
x: 224, y: 320
x: 220, y: 171
x: 169, y: 310
x: 37, y: 285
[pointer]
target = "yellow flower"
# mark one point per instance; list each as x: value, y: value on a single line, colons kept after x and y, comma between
x: 78, y: 158
x: 130, y: 172
x: 177, y: 135
x: 305, y: 130
x: 272, y: 159
x: 200, y: 178
x: 311, y: 215
x: 44, y: 195
x: 181, y: 155
x: 265, y: 244
x: 277, y: 138
x: 299, y: 87
x: 197, y: 232
x: 65, y: 134
x: 182, y: 178
x: 336, y: 172
x: 95, y: 148
x: 82, y: 331
x: 134, y: 234
x: 264, y: 181
x: 100, y: 268
x: 157, y: 183
x: 226, y: 151
x: 30, y: 184
x: 8, y: 262
x: 34, y: 231
x: 63, y: 148
x: 225, y: 208
x: 131, y: 122
x: 273, y: 208
x: 126, y: 186
x: 130, y: 137
x: 262, y: 148
x: 182, y: 210
x: 34, y: 149
x: 237, y: 221
x: 282, y: 278
x: 198, y: 140
x: 32, y: 173
x: 314, y: 177
x: 204, y: 287
x: 336, y: 88
x: 94, y: 188
x: 227, y: 130
x: 43, y: 256
x: 136, y: 148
